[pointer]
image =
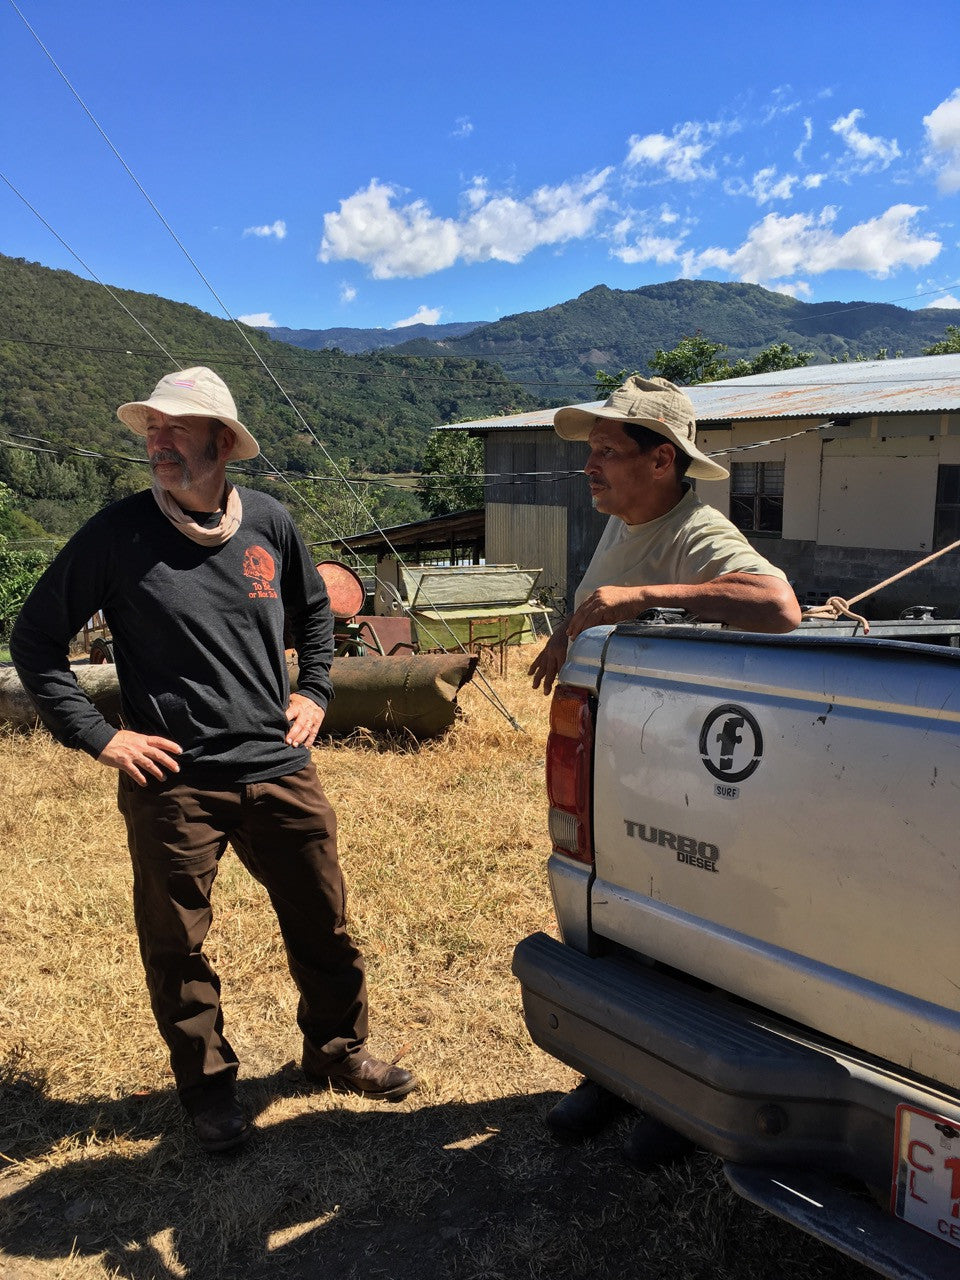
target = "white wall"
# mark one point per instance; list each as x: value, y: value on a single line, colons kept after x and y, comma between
x: 870, y: 484
x: 875, y: 494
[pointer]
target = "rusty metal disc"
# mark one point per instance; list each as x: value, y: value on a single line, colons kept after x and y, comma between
x: 344, y: 588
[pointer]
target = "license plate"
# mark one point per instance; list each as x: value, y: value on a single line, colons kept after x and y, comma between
x: 926, y: 1173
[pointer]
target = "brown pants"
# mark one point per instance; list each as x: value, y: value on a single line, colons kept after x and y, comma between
x: 284, y: 832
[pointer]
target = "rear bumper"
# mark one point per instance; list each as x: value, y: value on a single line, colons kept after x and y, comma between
x: 761, y: 1094
x: 853, y: 1225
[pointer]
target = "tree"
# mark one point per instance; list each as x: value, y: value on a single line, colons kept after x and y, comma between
x: 695, y: 360
x: 19, y: 568
x: 607, y: 383
x: 950, y: 344
x: 327, y: 507
x: 451, y: 473
x: 692, y: 360
x: 779, y: 355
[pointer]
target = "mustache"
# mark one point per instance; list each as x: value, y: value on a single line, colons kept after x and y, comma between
x: 168, y: 455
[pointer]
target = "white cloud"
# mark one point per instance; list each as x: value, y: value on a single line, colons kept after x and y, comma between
x: 259, y: 320
x: 782, y: 103
x: 464, y: 127
x: 796, y: 289
x: 649, y: 249
x: 395, y: 239
x: 668, y: 215
x: 422, y: 315
x: 777, y: 247
x: 807, y: 136
x: 681, y: 155
x: 347, y: 292
x: 871, y: 153
x: 764, y: 187
x: 477, y: 193
x: 948, y: 301
x: 814, y: 180
x: 943, y: 140
x: 278, y: 229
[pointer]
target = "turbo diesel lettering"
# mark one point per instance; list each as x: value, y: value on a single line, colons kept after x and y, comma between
x: 695, y: 853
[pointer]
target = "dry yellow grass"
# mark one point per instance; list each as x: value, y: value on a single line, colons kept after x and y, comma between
x: 444, y: 848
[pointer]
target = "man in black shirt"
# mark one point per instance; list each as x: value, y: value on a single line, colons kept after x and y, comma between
x: 196, y: 578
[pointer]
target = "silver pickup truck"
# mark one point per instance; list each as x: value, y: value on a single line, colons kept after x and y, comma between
x: 756, y: 876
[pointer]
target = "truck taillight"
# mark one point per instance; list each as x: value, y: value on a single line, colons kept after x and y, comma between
x: 569, y: 765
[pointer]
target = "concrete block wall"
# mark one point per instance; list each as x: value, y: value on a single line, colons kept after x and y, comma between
x: 819, y: 571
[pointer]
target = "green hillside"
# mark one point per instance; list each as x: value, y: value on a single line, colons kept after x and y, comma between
x: 69, y: 355
x: 561, y: 347
x: 355, y: 341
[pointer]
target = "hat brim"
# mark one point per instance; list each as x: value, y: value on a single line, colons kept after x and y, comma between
x: 134, y: 415
x: 573, y: 423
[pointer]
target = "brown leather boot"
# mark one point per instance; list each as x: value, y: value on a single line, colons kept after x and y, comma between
x: 361, y: 1073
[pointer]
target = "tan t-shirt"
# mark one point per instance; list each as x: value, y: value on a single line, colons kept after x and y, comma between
x: 692, y: 543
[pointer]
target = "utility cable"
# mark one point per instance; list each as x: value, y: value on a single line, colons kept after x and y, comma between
x: 240, y: 329
x: 504, y: 477
x: 119, y: 301
x: 351, y: 370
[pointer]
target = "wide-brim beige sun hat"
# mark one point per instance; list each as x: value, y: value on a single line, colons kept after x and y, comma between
x: 646, y: 402
x: 192, y: 393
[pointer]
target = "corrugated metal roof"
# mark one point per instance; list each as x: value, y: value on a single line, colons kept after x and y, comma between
x: 513, y: 422
x: 438, y: 531
x: 921, y: 384
x: 918, y: 384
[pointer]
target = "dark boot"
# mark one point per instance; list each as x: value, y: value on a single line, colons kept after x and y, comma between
x: 651, y: 1144
x: 584, y: 1112
x: 218, y: 1119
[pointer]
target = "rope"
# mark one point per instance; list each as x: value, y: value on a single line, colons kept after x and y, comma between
x: 836, y: 606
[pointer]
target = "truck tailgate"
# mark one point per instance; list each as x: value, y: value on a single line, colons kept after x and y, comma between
x: 795, y: 801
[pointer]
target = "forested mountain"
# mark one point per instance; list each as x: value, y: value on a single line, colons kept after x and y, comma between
x: 358, y: 341
x: 562, y: 346
x: 69, y: 355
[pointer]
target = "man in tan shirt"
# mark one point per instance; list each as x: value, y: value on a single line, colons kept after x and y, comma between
x: 662, y: 548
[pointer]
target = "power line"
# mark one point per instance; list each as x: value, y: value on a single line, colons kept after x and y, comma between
x: 119, y: 301
x: 227, y: 357
x: 414, y: 376
x: 39, y: 444
x: 491, y: 693
x: 150, y: 335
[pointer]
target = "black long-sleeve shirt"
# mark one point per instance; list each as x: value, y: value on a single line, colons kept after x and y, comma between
x: 197, y: 636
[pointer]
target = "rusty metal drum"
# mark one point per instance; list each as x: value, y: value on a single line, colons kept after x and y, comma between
x: 344, y: 587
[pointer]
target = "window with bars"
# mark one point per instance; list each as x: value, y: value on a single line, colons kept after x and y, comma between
x: 946, y: 519
x: 756, y: 496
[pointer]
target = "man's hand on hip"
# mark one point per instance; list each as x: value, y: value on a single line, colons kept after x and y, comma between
x: 138, y: 754
x: 305, y: 720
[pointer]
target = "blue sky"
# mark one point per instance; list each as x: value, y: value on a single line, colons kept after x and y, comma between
x: 368, y: 164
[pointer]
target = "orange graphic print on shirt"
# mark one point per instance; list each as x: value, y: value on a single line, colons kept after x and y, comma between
x: 259, y: 566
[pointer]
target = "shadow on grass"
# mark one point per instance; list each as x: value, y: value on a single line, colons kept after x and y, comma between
x: 453, y: 1191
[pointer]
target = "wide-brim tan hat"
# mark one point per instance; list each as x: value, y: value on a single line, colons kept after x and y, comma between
x: 193, y: 393
x: 646, y: 402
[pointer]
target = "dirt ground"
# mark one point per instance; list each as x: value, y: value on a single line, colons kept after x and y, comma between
x: 444, y: 846
x: 500, y: 1200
